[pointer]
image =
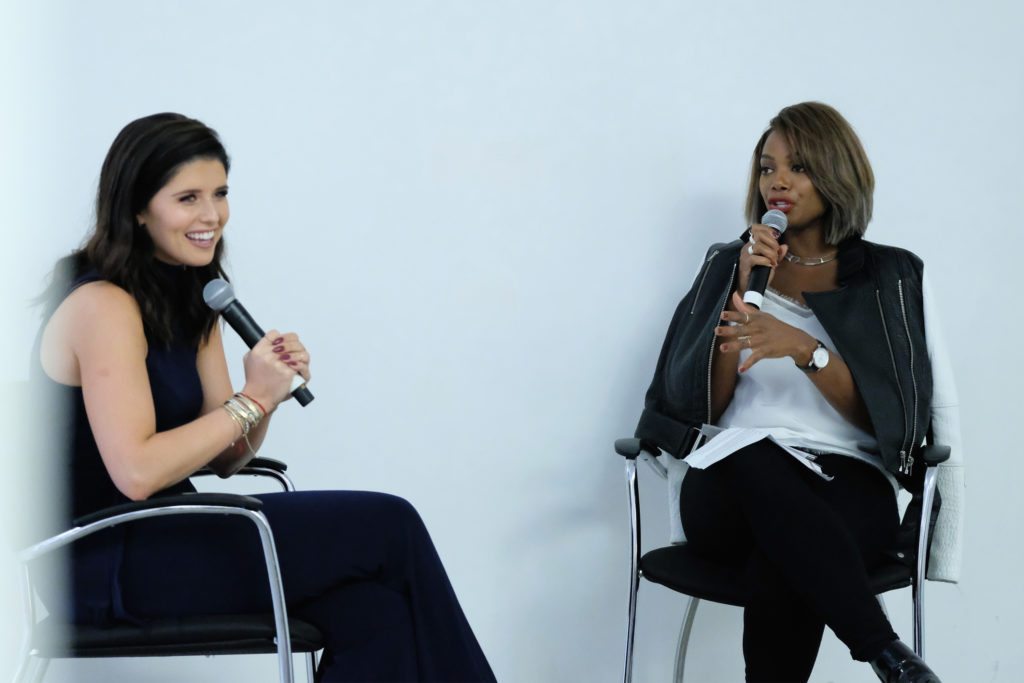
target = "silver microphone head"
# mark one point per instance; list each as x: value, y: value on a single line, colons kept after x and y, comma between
x: 218, y: 294
x: 772, y: 218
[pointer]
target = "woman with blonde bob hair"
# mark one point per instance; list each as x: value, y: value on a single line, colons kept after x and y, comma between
x: 827, y: 391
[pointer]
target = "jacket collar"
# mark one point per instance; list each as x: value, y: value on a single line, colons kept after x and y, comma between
x: 852, y: 254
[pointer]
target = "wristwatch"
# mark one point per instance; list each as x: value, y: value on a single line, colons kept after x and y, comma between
x: 819, y: 359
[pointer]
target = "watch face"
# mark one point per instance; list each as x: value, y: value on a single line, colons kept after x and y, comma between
x: 820, y: 357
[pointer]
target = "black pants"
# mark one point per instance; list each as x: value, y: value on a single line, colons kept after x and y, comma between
x: 360, y: 566
x: 804, y: 544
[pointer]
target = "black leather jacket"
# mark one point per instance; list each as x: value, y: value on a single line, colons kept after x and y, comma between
x: 875, y: 318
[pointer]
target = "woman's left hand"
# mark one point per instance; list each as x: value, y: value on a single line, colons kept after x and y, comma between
x: 764, y: 334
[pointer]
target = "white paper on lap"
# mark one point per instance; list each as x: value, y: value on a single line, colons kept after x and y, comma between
x: 724, y: 442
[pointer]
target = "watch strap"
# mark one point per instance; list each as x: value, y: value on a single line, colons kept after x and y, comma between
x: 811, y: 365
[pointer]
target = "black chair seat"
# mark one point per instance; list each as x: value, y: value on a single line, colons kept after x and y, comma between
x: 207, y: 635
x: 679, y: 568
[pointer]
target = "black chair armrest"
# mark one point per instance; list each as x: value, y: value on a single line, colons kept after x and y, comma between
x: 259, y: 467
x: 934, y: 454
x: 221, y: 499
x: 632, y: 447
x: 255, y: 464
x: 268, y: 463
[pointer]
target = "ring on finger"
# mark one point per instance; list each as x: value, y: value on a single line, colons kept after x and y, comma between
x: 747, y: 321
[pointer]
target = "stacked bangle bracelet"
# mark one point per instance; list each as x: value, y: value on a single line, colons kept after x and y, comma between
x: 246, y: 412
x: 254, y: 401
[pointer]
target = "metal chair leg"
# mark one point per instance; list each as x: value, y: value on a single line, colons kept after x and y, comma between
x: 634, y: 567
x: 36, y: 669
x: 918, y: 597
x: 311, y: 667
x: 684, y: 639
x: 25, y: 664
x: 930, y: 483
x: 627, y: 674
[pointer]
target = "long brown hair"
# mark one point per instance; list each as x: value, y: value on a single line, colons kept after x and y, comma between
x: 143, y: 158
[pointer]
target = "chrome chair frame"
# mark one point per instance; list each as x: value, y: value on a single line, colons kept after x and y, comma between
x: 634, y: 449
x: 33, y: 663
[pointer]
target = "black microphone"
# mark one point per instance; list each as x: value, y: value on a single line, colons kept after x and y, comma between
x: 220, y: 296
x: 759, y: 274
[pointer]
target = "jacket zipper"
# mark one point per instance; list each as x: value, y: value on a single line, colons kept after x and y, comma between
x: 707, y: 267
x: 913, y: 379
x: 903, y: 400
x: 711, y: 353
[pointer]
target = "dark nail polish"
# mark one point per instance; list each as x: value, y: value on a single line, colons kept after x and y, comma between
x: 284, y: 356
x: 278, y: 349
x: 278, y: 340
x: 293, y: 362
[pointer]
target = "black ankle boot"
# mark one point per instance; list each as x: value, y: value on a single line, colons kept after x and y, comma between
x: 897, y: 663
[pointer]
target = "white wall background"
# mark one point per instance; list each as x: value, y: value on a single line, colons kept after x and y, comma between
x: 480, y: 217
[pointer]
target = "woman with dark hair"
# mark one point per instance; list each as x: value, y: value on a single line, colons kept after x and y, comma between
x: 131, y: 346
x: 828, y: 391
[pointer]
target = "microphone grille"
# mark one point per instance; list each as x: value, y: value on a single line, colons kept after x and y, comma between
x: 218, y: 294
x: 775, y: 219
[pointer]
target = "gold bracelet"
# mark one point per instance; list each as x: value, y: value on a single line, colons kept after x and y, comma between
x: 240, y: 411
x: 246, y: 413
x: 249, y: 444
x: 252, y: 414
x: 243, y: 416
x: 251, y: 406
x: 250, y: 398
x: 238, y: 420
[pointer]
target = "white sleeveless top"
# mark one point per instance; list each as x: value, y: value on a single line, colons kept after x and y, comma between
x: 777, y: 396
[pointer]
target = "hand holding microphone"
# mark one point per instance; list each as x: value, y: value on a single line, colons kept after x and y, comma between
x: 220, y: 296
x: 763, y: 252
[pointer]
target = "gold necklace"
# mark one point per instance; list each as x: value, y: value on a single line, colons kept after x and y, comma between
x: 809, y: 260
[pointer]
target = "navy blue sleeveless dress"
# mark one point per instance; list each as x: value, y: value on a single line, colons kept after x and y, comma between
x: 359, y: 565
x: 177, y: 400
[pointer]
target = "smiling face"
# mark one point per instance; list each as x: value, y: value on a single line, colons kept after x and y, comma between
x: 186, y: 217
x: 785, y: 185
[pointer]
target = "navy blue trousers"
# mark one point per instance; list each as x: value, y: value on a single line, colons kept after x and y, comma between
x: 804, y: 544
x: 358, y: 565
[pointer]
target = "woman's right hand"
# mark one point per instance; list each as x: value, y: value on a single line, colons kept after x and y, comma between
x: 268, y: 376
x: 764, y: 243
